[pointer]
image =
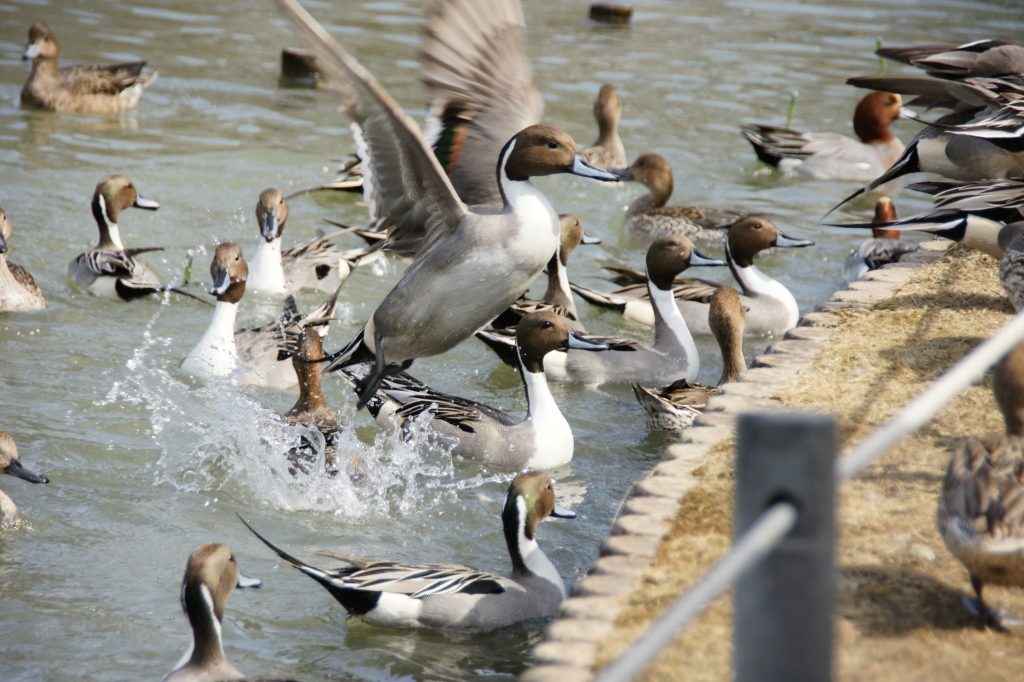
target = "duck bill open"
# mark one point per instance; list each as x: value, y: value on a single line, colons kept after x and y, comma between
x: 782, y: 240
x: 19, y: 470
x: 585, y: 170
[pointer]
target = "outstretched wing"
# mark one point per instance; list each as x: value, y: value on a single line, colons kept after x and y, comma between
x: 404, y: 171
x: 477, y: 76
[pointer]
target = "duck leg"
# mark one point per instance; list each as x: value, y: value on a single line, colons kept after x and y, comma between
x: 368, y: 385
x: 997, y: 619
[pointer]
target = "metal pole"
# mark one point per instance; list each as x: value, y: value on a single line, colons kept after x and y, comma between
x: 783, y: 606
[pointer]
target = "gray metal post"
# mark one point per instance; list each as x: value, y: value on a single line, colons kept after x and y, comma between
x: 783, y: 606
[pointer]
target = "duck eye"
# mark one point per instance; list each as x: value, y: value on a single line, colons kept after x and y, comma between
x: 552, y: 145
x: 547, y: 325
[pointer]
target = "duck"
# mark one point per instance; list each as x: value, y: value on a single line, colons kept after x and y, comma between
x: 674, y: 353
x: 971, y: 213
x: 436, y: 305
x: 831, y: 156
x: 673, y: 407
x: 211, y: 575
x: 452, y: 596
x: 648, y: 218
x: 1011, y: 266
x: 11, y: 465
x: 223, y: 351
x: 542, y: 440
x: 109, y: 270
x: 883, y: 248
x: 18, y: 291
x: 99, y: 89
x: 558, y: 295
x: 771, y: 307
x: 607, y: 152
x: 311, y: 410
x: 317, y: 264
x: 979, y: 515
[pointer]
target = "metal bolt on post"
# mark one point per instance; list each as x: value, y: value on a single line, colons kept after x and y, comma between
x: 783, y: 606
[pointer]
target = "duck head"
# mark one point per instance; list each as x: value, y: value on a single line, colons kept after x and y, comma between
x: 5, y: 231
x: 11, y: 465
x: 670, y: 255
x: 229, y: 271
x: 727, y: 317
x: 271, y: 213
x: 873, y: 115
x: 752, y: 235
x: 530, y: 500
x: 540, y: 333
x: 1008, y: 387
x: 607, y: 110
x: 544, y: 150
x: 42, y: 43
x: 210, y: 576
x: 885, y: 212
x: 571, y: 236
x: 654, y: 173
x: 113, y: 194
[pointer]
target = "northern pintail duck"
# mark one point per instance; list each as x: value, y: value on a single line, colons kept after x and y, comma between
x: 674, y: 407
x: 674, y: 353
x: 883, y: 248
x: 607, y: 152
x: 110, y: 270
x: 542, y: 440
x: 311, y: 409
x: 971, y: 213
x: 831, y: 156
x: 558, y: 296
x: 434, y: 307
x: 453, y: 596
x: 18, y: 291
x: 11, y: 465
x: 771, y: 308
x: 103, y: 89
x: 1011, y: 267
x: 223, y: 351
x: 316, y: 264
x: 980, y: 516
x: 977, y: 59
x: 648, y: 217
x: 211, y: 575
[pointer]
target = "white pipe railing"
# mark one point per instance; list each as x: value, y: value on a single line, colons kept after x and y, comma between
x: 777, y: 521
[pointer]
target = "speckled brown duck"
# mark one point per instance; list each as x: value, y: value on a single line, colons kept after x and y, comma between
x: 18, y: 291
x: 101, y: 89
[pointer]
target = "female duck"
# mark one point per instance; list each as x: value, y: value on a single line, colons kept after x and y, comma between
x: 317, y: 264
x: 980, y: 516
x: 831, y: 156
x: 110, y: 270
x: 648, y: 217
x: 211, y: 575
x: 452, y: 596
x: 543, y: 440
x: 18, y: 291
x: 607, y: 153
x: 1011, y: 267
x: 11, y: 465
x: 222, y: 350
x: 102, y: 89
x: 675, y: 406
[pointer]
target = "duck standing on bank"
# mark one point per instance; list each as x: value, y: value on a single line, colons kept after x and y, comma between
x: 439, y: 302
x: 674, y: 407
x: 211, y: 575
x: 831, y: 156
x: 607, y: 152
x: 317, y: 264
x: 980, y: 515
x: 11, y: 465
x: 18, y: 291
x: 883, y: 248
x: 453, y: 596
x: 222, y: 350
x: 542, y: 440
x: 648, y: 217
x: 100, y: 89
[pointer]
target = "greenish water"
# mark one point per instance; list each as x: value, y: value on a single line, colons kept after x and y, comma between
x: 145, y: 467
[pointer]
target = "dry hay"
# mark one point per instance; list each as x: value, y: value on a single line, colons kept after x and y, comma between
x: 899, y: 614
